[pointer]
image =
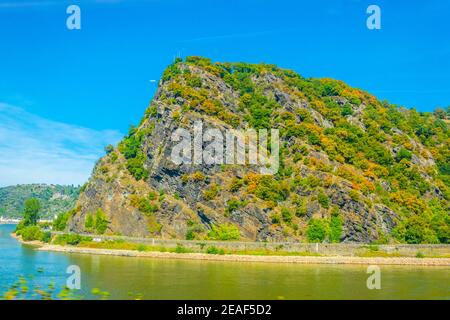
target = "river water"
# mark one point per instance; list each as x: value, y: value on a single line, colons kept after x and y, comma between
x: 124, y: 277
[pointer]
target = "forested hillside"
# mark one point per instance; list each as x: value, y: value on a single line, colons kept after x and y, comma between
x: 54, y: 199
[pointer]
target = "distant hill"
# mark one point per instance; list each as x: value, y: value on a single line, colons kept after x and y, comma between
x: 54, y: 198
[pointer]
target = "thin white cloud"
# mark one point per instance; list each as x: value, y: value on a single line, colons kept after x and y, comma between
x: 40, y: 3
x: 37, y: 150
x: 27, y: 4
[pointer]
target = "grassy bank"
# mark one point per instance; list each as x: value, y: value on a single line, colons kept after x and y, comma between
x: 86, y: 245
x: 122, y: 245
x: 87, y: 242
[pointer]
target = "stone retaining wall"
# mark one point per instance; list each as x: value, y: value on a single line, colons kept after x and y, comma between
x: 338, y: 249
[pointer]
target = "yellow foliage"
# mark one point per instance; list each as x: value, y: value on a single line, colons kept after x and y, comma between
x: 313, y: 128
x: 252, y: 180
x: 375, y: 171
x: 328, y: 181
x: 197, y: 176
x: 408, y: 200
x: 319, y: 105
x: 209, y: 107
x: 340, y: 158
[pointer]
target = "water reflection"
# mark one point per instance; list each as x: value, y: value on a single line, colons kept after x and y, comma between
x: 183, y: 279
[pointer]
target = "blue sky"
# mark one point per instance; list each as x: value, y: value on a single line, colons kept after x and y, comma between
x: 97, y: 79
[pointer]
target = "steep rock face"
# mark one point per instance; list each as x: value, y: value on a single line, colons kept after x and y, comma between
x: 325, y: 172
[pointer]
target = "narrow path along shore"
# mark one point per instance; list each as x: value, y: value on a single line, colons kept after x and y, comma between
x: 413, y: 261
x: 253, y: 258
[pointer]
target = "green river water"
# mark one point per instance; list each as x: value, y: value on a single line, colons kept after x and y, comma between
x: 182, y: 279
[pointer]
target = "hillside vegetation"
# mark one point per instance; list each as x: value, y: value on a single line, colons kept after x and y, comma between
x: 353, y: 168
x: 54, y: 199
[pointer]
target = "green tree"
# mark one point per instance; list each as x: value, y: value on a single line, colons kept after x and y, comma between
x: 89, y: 222
x: 109, y: 148
x: 346, y: 111
x: 403, y: 154
x: 60, y: 223
x: 414, y: 230
x: 317, y: 230
x: 31, y: 211
x: 286, y: 214
x: 335, y: 228
x: 225, y: 231
x: 31, y: 233
x: 323, y: 199
x: 101, y: 222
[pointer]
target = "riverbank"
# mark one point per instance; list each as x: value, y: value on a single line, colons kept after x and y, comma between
x: 189, y: 279
x: 301, y: 259
x: 255, y: 258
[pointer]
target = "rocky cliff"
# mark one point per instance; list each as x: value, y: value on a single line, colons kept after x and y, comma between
x: 351, y: 168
